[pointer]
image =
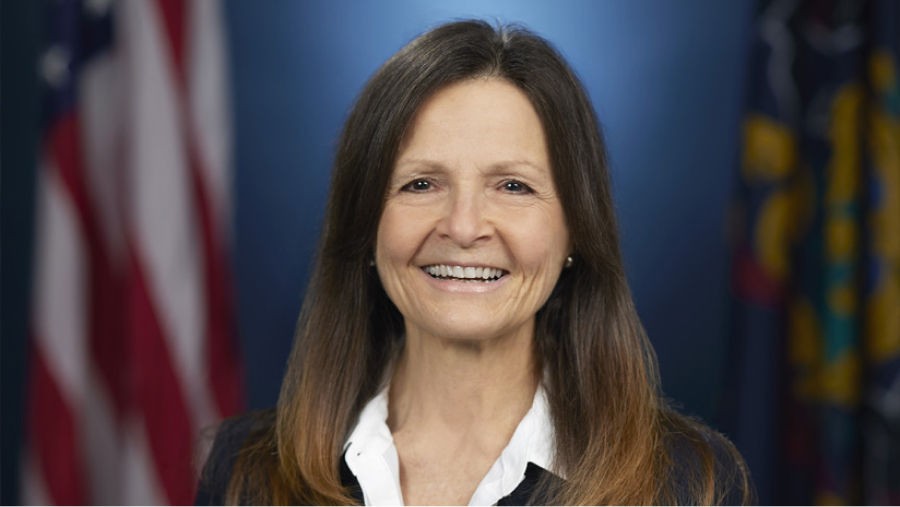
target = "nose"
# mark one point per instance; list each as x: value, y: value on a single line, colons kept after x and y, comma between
x: 465, y: 221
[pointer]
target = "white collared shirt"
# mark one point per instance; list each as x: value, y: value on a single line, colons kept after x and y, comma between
x: 372, y: 457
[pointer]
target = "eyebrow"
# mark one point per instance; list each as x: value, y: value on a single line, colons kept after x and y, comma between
x: 435, y: 165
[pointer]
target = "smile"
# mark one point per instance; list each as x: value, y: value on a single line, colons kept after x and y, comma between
x: 464, y: 273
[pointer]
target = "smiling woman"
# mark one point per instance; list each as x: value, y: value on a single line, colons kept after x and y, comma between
x: 468, y: 336
x: 469, y: 248
x: 456, y: 208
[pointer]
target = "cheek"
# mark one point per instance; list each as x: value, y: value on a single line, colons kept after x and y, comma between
x: 398, y: 237
x: 540, y: 258
x: 538, y: 240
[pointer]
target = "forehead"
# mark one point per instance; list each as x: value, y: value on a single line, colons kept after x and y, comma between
x: 477, y: 121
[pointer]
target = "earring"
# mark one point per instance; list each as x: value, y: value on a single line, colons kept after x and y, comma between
x: 569, y: 262
x: 372, y: 262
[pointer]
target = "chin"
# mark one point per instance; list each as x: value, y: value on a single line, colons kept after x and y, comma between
x: 469, y: 331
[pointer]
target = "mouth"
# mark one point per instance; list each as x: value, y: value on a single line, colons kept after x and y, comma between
x: 475, y: 274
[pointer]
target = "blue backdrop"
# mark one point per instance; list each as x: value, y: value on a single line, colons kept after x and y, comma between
x: 665, y: 78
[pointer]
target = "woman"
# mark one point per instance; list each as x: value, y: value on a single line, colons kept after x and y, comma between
x: 468, y: 335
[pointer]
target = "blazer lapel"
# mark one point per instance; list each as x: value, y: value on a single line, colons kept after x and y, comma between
x: 520, y: 496
x: 523, y: 492
x: 348, y: 480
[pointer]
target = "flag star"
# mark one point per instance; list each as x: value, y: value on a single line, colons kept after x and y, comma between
x: 54, y: 66
x: 98, y: 8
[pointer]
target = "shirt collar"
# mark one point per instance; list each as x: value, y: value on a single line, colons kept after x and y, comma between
x: 372, y: 457
x: 532, y: 441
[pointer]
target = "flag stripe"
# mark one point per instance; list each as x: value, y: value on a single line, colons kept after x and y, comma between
x: 141, y: 485
x: 58, y: 306
x: 164, y: 236
x: 167, y: 267
x: 159, y: 395
x: 208, y: 97
x: 172, y: 15
x: 34, y: 490
x: 164, y: 290
x: 57, y: 345
x: 101, y: 440
x: 105, y: 341
x: 53, y: 425
x: 221, y: 350
x: 100, y: 392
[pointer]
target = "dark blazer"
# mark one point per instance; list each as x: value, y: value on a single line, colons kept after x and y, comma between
x: 233, y: 432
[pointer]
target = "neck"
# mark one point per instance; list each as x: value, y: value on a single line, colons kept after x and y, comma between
x: 463, y: 386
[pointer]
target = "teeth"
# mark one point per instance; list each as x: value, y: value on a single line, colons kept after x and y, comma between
x: 463, y: 273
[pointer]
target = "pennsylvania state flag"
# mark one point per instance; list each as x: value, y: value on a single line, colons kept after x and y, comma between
x: 815, y: 401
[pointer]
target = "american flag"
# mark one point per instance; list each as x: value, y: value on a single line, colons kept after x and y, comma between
x: 132, y: 346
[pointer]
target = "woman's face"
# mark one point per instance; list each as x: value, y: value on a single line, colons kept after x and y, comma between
x: 473, y: 237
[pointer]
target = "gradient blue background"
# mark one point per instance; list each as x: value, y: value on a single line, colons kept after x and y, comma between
x: 666, y: 79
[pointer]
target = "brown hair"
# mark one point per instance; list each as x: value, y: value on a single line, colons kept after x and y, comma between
x: 616, y: 439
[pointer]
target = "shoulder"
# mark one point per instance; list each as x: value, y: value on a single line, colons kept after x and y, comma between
x: 700, y: 455
x: 231, y: 436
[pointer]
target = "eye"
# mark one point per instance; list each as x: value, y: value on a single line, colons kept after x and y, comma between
x: 420, y: 185
x: 516, y: 187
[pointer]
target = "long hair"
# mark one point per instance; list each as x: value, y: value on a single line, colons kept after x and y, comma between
x: 614, y: 432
